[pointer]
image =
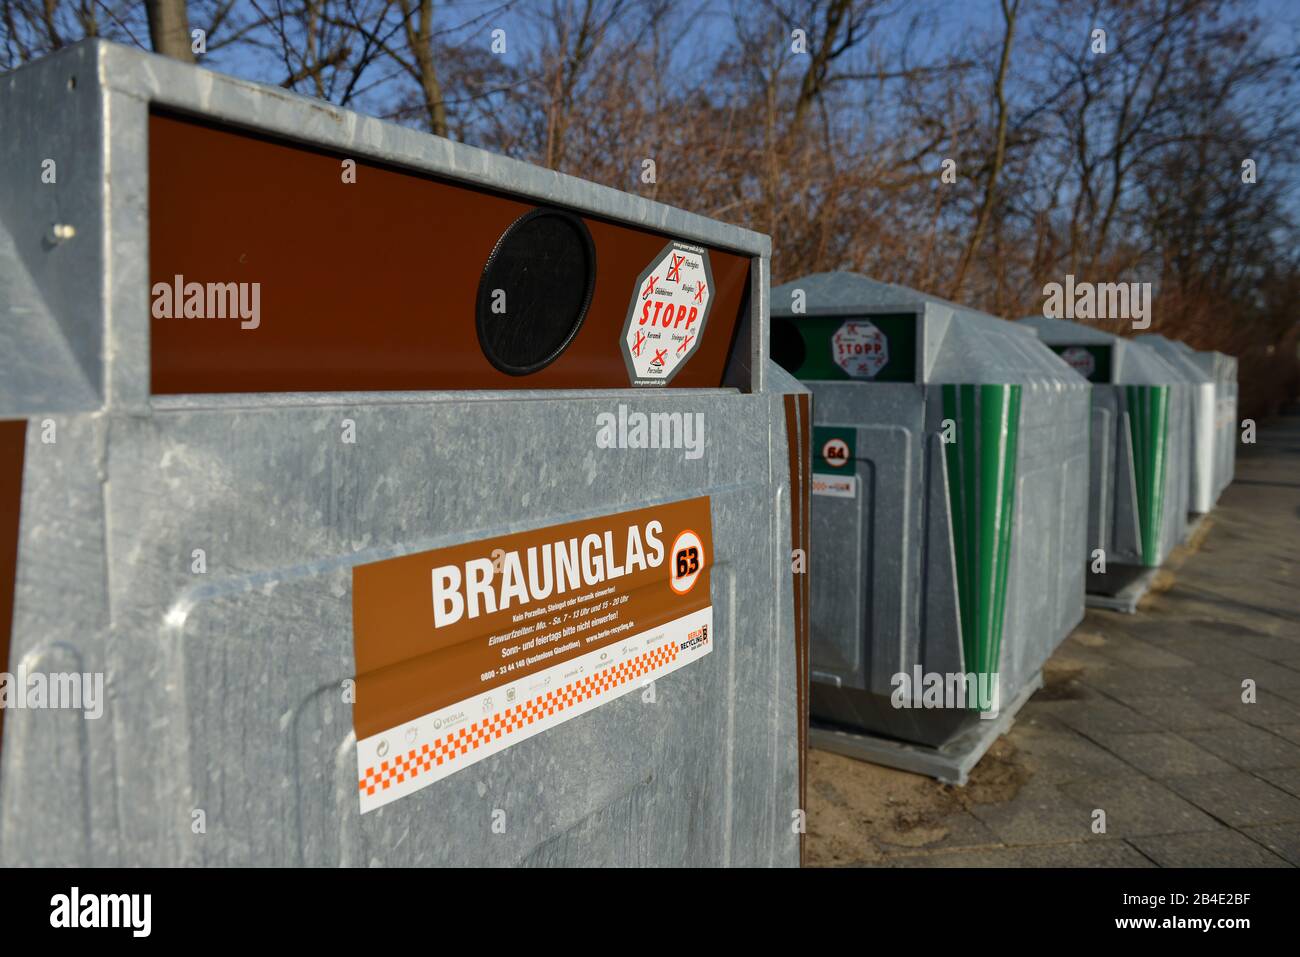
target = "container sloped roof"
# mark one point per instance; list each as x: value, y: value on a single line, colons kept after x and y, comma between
x: 980, y: 348
x: 1217, y: 365
x: 1132, y: 363
x: 1065, y: 332
x: 1178, y: 355
x: 962, y: 345
x: 782, y: 382
x: 831, y: 291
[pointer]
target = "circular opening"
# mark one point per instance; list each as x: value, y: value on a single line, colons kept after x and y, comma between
x: 536, y: 287
x: 788, y: 349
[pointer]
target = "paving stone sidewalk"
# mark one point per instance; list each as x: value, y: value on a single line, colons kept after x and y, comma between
x: 1141, y: 717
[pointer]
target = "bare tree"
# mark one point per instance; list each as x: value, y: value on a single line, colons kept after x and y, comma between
x: 576, y: 31
x: 1010, y: 8
x: 169, y: 29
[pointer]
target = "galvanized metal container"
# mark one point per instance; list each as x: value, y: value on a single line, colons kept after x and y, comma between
x: 1223, y: 370
x: 1140, y: 464
x: 202, y: 500
x: 1200, y: 385
x: 948, y: 516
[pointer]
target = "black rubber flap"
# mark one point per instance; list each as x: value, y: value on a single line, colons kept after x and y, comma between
x: 535, y: 290
x: 788, y: 348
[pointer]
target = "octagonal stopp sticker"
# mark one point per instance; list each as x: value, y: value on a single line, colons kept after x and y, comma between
x: 1080, y: 360
x: 666, y: 319
x: 860, y: 348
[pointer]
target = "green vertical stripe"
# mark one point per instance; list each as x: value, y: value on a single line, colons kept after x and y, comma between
x: 981, y: 488
x: 1148, y: 411
x: 1010, y: 430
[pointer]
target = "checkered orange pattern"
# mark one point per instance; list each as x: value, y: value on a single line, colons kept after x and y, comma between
x: 464, y: 740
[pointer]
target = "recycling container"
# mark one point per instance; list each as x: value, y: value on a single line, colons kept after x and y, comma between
x: 379, y: 500
x: 948, y: 513
x: 1222, y: 369
x: 1140, y: 465
x: 1203, y: 412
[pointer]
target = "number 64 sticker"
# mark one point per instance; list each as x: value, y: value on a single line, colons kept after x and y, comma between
x: 687, y: 561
